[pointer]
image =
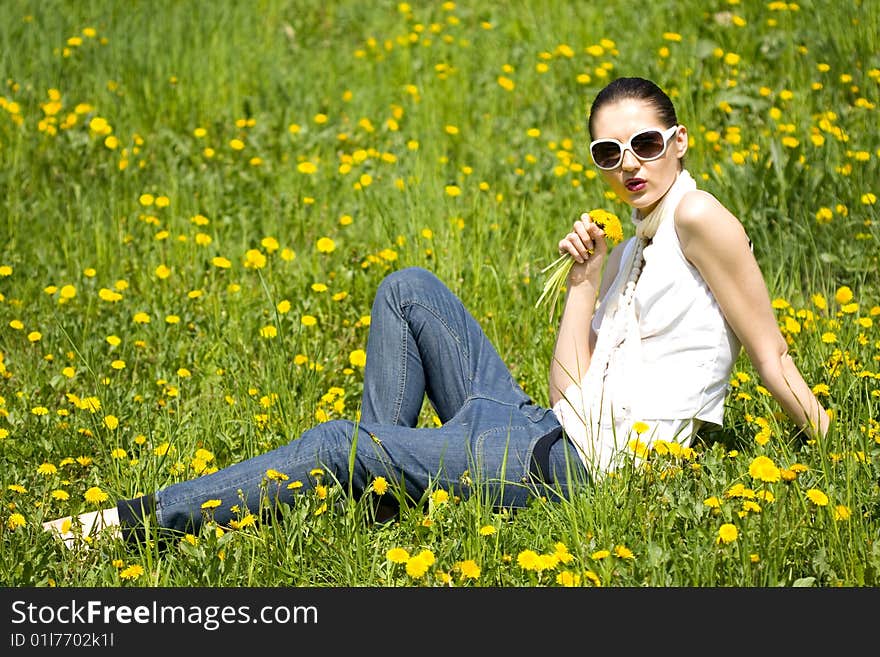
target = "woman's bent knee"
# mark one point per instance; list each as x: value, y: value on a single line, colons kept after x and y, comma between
x: 404, y: 282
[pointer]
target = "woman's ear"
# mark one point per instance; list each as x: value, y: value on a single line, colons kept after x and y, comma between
x: 681, y: 141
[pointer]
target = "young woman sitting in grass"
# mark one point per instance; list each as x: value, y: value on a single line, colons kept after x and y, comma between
x: 647, y: 340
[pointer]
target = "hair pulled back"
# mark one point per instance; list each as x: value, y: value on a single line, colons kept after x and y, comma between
x: 635, y: 89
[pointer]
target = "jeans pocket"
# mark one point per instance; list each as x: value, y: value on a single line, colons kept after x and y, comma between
x: 533, y: 412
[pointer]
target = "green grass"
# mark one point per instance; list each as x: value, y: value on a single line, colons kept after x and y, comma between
x: 756, y: 83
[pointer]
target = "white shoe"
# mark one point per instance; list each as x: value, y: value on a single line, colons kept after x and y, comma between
x: 86, y: 526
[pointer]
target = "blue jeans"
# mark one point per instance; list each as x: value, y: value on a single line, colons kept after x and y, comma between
x: 422, y: 341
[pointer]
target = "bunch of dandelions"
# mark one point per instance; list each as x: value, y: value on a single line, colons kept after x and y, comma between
x: 559, y: 268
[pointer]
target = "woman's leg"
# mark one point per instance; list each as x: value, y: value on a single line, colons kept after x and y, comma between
x: 423, y: 340
x: 487, y: 447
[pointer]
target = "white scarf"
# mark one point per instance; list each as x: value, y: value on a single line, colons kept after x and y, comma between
x: 646, y: 228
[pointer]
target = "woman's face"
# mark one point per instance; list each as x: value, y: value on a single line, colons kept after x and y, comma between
x: 640, y: 184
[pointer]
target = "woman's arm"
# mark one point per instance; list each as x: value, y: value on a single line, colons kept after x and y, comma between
x: 574, y: 342
x: 714, y: 241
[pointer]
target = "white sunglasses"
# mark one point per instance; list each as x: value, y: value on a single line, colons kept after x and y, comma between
x: 649, y: 144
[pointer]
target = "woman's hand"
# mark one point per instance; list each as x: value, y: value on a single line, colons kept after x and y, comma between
x: 587, y: 247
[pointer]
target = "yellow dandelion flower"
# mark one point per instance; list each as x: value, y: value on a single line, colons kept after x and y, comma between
x: 358, y: 358
x: 275, y: 475
x: 416, y: 567
x: 842, y: 512
x: 131, y: 572
x: 380, y: 485
x: 640, y: 427
x: 763, y: 469
x: 487, y: 530
x: 623, y: 552
x: 529, y: 560
x: 95, y: 495
x: 325, y: 245
x: 469, y: 569
x: 211, y: 504
x: 47, y: 469
x: 727, y: 533
x: 843, y: 295
x: 397, y: 555
x: 15, y: 521
x: 817, y: 497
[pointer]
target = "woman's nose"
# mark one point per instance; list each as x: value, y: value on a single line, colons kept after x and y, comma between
x: 629, y: 160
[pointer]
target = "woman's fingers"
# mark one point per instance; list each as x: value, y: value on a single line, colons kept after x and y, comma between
x: 583, y: 240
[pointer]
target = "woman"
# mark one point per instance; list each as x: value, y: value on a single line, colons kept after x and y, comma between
x: 675, y: 305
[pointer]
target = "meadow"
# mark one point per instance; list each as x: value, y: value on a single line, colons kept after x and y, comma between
x: 200, y: 198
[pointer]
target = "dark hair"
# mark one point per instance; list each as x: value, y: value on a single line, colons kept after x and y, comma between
x: 635, y: 89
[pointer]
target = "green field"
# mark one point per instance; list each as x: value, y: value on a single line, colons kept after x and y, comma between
x: 200, y: 198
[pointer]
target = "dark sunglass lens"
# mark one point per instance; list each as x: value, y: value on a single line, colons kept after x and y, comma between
x: 606, y: 154
x: 648, y: 144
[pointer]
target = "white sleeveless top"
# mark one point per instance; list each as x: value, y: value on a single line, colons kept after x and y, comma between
x: 673, y: 362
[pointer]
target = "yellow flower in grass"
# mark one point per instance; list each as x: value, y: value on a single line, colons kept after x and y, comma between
x: 47, y: 469
x: 529, y: 560
x: 358, y: 358
x: 15, y: 521
x: 211, y: 504
x: 568, y: 580
x: 763, y: 469
x: 727, y: 533
x: 487, y: 530
x: 248, y: 521
x: 95, y: 495
x: 843, y: 295
x: 623, y: 552
x: 131, y: 572
x: 842, y: 512
x: 326, y: 245
x: 417, y: 565
x: 469, y: 569
x: 640, y: 427
x: 397, y: 555
x: 275, y: 475
x: 380, y: 485
x: 817, y: 497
